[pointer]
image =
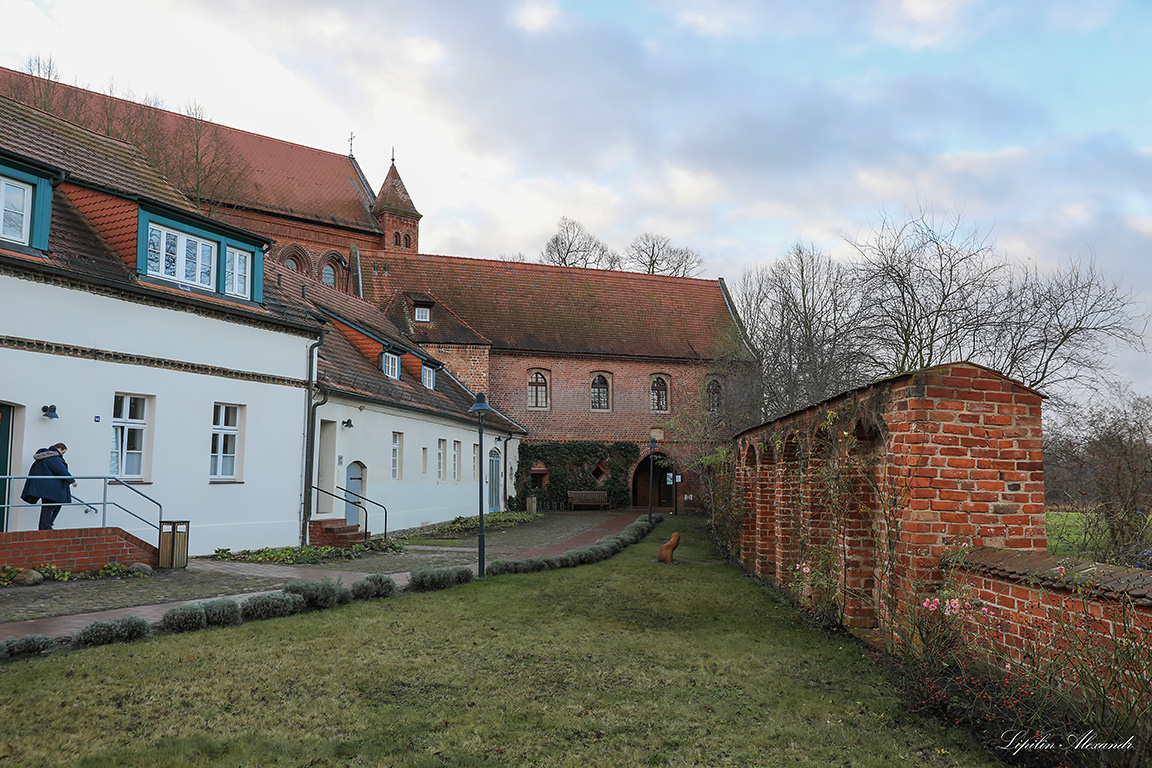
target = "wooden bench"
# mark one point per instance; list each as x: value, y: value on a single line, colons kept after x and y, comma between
x: 587, y: 499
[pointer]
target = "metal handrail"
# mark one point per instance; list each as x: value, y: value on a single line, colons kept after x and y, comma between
x: 347, y: 501
x: 361, y: 506
x: 370, y: 501
x: 103, y: 504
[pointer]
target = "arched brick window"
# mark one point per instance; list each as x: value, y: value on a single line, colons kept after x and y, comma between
x: 328, y: 275
x: 713, y: 396
x: 601, y: 393
x: 291, y: 264
x: 407, y: 241
x: 658, y: 394
x: 396, y: 239
x: 537, y: 390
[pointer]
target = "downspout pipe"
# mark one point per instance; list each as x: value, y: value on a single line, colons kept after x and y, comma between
x: 310, y: 434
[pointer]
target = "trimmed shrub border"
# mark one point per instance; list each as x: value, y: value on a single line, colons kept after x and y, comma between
x: 298, y: 596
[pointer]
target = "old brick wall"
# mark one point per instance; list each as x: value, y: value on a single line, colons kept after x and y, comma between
x: 467, y: 362
x: 74, y: 549
x: 881, y: 482
x: 569, y: 415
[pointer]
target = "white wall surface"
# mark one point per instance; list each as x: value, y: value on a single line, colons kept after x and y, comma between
x: 261, y: 509
x: 39, y: 311
x: 417, y: 498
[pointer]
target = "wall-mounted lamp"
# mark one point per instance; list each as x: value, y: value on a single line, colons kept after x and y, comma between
x: 347, y: 423
x: 49, y: 411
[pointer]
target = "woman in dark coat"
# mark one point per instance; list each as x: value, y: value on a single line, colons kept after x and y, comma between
x: 49, y: 483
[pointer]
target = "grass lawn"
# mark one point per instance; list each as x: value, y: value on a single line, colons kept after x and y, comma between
x: 1065, y: 532
x: 624, y: 663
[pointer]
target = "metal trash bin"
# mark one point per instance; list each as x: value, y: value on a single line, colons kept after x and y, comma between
x: 174, y: 543
x: 531, y: 505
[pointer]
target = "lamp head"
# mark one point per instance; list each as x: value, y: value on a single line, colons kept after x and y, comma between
x: 481, y: 405
x: 49, y: 412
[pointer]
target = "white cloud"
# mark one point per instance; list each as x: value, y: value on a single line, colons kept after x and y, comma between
x: 536, y: 15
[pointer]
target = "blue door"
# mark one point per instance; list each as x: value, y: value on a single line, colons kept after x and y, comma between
x: 354, y: 484
x: 494, y: 480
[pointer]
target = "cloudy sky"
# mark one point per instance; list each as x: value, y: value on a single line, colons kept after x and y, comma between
x: 736, y: 127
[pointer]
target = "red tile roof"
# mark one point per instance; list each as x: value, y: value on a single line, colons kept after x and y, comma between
x: 542, y: 308
x: 87, y: 156
x: 349, y: 359
x: 393, y: 197
x: 281, y: 177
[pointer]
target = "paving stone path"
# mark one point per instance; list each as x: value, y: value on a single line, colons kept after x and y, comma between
x: 63, y: 608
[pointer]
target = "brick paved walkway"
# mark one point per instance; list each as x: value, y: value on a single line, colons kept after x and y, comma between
x: 532, y: 541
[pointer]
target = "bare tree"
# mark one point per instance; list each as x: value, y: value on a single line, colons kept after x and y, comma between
x: 655, y: 254
x: 1098, y: 463
x: 202, y: 164
x: 575, y: 246
x: 925, y: 292
x: 930, y: 288
x: 802, y: 314
x: 191, y: 151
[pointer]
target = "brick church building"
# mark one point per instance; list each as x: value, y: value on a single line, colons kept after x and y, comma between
x: 564, y: 354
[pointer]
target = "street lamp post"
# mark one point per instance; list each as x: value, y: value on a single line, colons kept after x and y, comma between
x: 480, y: 408
x: 651, y: 473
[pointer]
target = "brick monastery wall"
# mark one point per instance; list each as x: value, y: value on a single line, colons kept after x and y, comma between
x: 890, y: 478
x: 569, y: 415
x: 1032, y: 602
x: 74, y: 549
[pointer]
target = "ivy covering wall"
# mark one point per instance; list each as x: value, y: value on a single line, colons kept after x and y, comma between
x: 571, y: 467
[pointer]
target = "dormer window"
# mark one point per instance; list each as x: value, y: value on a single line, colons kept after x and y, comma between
x: 175, y: 255
x: 236, y: 269
x: 422, y: 313
x: 182, y: 252
x: 391, y: 365
x: 16, y: 203
x: 428, y: 377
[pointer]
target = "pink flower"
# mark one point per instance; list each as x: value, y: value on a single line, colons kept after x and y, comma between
x: 806, y: 569
x: 1060, y: 570
x: 1008, y: 667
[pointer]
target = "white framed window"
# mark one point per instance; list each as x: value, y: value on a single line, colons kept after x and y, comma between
x: 422, y: 314
x: 16, y: 211
x: 658, y: 394
x: 475, y: 461
x: 601, y: 392
x: 428, y: 376
x: 225, y: 441
x: 713, y: 396
x: 397, y: 455
x: 174, y: 255
x: 538, y: 390
x: 129, y: 435
x: 392, y: 365
x: 237, y: 268
x: 441, y: 447
x: 456, y: 460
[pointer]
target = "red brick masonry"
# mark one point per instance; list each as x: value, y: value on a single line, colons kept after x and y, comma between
x: 75, y: 549
x: 1031, y: 600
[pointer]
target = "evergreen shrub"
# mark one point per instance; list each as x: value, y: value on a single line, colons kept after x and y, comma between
x: 385, y: 586
x: 271, y: 606
x: 184, y: 618
x: 222, y: 613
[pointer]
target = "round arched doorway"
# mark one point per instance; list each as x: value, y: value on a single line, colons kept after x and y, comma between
x: 653, y: 469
